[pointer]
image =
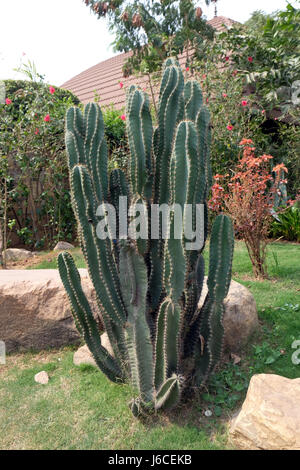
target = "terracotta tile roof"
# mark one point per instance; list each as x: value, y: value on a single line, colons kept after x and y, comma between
x: 104, y: 77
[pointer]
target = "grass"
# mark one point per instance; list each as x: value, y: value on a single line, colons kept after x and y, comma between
x: 81, y: 409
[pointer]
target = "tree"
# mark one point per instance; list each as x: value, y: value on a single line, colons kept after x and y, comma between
x: 153, y: 30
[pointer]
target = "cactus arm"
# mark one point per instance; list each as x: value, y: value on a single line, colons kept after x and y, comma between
x: 160, y: 359
x: 168, y: 113
x: 97, y: 252
x: 96, y: 150
x: 84, y: 317
x: 204, y: 139
x: 133, y: 279
x: 75, y: 137
x: 171, y: 344
x: 139, y: 130
x: 193, y: 99
x: 86, y: 145
x: 169, y: 394
x: 211, y: 316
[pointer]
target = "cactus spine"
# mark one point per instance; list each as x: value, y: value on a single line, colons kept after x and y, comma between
x: 148, y: 290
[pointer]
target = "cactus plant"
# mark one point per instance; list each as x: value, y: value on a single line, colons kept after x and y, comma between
x: 148, y: 290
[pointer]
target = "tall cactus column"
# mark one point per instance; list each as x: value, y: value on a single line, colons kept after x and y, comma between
x: 148, y: 290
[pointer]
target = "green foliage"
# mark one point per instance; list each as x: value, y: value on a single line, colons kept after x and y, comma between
x: 261, y: 70
x: 115, y: 132
x: 268, y: 57
x: 153, y: 30
x: 287, y: 224
x: 37, y: 185
x: 147, y: 290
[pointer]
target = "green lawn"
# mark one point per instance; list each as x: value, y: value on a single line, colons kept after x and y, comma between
x: 81, y: 409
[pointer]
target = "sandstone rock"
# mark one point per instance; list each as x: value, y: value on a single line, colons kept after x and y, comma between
x: 270, y: 415
x: 63, y: 246
x: 41, y: 378
x: 106, y: 344
x: 35, y: 311
x: 17, y: 254
x: 84, y: 356
x: 240, y: 317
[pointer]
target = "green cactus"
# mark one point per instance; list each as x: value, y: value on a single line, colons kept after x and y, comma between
x: 148, y: 290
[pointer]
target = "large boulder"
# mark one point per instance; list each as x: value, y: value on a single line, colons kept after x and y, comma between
x: 63, y: 246
x: 17, y: 254
x: 270, y: 415
x: 240, y: 317
x: 35, y: 311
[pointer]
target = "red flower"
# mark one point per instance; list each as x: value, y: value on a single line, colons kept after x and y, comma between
x: 225, y: 95
x: 229, y: 127
x: 234, y: 73
x: 204, y: 76
x: 187, y: 69
x: 226, y: 58
x: 52, y: 90
x: 47, y: 118
x: 263, y: 111
x: 246, y: 142
x: 250, y: 59
x: 123, y: 117
x: 206, y: 100
x: 8, y: 101
x: 121, y: 85
x: 36, y: 131
x: 244, y: 103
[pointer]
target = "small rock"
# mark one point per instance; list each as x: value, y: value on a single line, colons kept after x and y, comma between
x: 41, y: 378
x: 63, y: 246
x: 106, y: 344
x: 17, y: 254
x: 270, y: 415
x: 84, y: 356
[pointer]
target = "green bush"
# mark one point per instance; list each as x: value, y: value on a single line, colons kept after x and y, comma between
x: 115, y: 131
x: 33, y: 163
x: 287, y: 225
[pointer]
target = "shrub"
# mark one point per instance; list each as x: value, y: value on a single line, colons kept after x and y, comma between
x: 249, y: 198
x: 115, y: 132
x: 287, y: 224
x: 259, y: 64
x: 32, y: 142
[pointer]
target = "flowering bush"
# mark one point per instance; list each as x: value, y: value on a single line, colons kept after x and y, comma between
x: 115, y: 131
x: 249, y: 75
x: 248, y: 196
x: 33, y: 152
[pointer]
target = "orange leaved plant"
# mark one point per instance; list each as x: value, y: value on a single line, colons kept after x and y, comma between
x: 248, y: 197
